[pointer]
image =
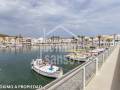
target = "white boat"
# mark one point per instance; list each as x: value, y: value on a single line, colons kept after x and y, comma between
x: 2, y: 46
x: 100, y: 49
x: 14, y: 45
x: 18, y: 45
x: 46, y: 69
x: 97, y: 51
x: 77, y: 57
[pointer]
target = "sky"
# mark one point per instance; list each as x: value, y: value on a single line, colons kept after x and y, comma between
x: 32, y: 18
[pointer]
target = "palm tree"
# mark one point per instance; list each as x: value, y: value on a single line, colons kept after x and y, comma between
x: 3, y: 40
x: 20, y: 39
x: 92, y: 38
x: 99, y: 39
x: 15, y: 40
x: 73, y: 39
x: 78, y: 42
x: 86, y: 40
x: 58, y: 39
x: 108, y: 40
x: 78, y: 36
x: 86, y: 43
x: 52, y: 39
x: 78, y: 39
x: 82, y: 38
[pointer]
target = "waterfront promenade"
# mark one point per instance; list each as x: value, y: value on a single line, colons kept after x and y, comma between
x: 84, y: 76
x: 108, y: 78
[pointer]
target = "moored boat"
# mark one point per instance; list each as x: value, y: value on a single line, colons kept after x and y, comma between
x: 77, y: 56
x: 46, y: 69
x: 96, y: 52
x: 2, y: 46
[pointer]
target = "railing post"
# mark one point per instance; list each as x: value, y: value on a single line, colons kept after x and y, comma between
x: 108, y: 51
x: 96, y: 65
x: 103, y: 57
x: 84, y: 78
x: 106, y: 54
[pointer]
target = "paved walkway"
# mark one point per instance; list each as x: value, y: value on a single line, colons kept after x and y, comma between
x: 108, y: 78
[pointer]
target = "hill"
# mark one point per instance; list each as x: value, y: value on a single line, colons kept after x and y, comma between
x: 3, y: 35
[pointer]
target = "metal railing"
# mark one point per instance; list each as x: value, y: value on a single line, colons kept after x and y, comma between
x: 78, y: 78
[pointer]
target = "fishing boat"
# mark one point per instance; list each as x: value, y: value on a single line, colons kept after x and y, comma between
x: 101, y: 49
x: 2, y: 46
x: 14, y: 45
x: 77, y: 57
x: 18, y: 45
x: 98, y: 51
x: 46, y: 69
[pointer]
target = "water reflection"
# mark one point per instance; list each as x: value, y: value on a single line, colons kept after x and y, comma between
x: 15, y: 62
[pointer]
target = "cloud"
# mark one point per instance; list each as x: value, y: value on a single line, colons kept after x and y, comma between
x: 29, y: 17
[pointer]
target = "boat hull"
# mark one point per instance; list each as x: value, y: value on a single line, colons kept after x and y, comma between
x: 52, y: 75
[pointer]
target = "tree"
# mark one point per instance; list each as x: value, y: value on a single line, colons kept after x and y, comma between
x: 15, y: 40
x: 3, y: 40
x: 108, y: 40
x: 99, y: 39
x: 82, y: 38
x: 52, y: 39
x: 92, y: 38
x: 79, y: 38
x: 74, y: 39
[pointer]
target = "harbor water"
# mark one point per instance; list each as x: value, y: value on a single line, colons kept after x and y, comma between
x: 15, y: 64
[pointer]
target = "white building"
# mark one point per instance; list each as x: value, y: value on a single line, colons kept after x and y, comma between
x: 37, y: 41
